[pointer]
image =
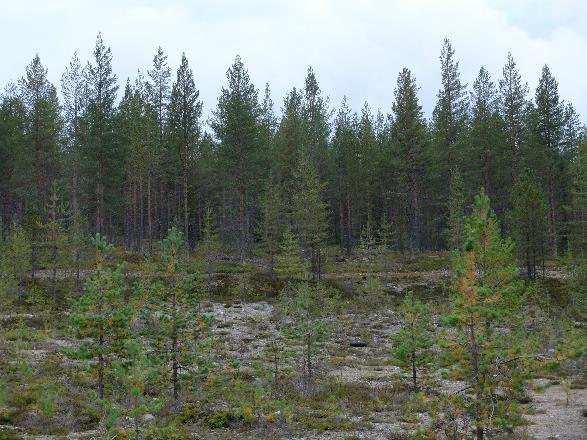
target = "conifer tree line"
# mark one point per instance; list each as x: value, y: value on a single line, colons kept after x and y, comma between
x: 130, y: 160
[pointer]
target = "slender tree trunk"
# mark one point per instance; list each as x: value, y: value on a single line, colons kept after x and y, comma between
x: 348, y: 224
x: 242, y: 219
x: 137, y: 216
x: 101, y: 338
x: 127, y: 212
x: 275, y: 367
x: 309, y: 356
x: 77, y: 270
x: 162, y: 210
x: 141, y: 216
x: 319, y: 264
x: 174, y: 350
x: 149, y: 215
x: 528, y: 263
x: 341, y: 223
x: 475, y: 379
x: 186, y: 220
x: 369, y: 218
x: 75, y: 186
x: 414, y: 372
x: 533, y: 262
x: 552, y: 214
x: 34, y: 252
x: 136, y: 418
x: 98, y: 203
x: 101, y: 367
x: 54, y: 264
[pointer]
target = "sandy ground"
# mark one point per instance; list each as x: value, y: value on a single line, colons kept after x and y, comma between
x: 554, y: 419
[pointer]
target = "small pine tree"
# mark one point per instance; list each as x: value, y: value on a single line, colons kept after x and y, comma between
x: 134, y: 375
x: 173, y: 310
x: 15, y: 263
x: 412, y: 344
x: 385, y: 240
x: 307, y: 305
x: 272, y: 221
x: 210, y: 246
x: 366, y: 240
x: 290, y: 264
x: 79, y: 245
x: 486, y: 294
x: 101, y: 317
x: 309, y: 213
x: 56, y: 238
x: 456, y: 210
x: 529, y: 220
x: 372, y: 288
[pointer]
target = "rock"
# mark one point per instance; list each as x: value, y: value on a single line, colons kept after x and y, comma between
x: 148, y: 417
x: 358, y: 343
x: 394, y: 288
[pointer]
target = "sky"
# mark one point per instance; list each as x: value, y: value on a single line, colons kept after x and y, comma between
x: 356, y: 47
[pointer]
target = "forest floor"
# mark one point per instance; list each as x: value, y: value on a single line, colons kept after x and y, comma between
x: 359, y: 394
x: 365, y: 371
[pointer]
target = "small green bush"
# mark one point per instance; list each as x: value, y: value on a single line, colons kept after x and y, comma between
x: 219, y: 419
x: 10, y: 435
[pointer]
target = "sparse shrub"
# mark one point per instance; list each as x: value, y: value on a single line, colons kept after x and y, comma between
x: 219, y: 419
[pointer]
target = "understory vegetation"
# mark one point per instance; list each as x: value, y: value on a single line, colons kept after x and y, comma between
x: 175, y: 346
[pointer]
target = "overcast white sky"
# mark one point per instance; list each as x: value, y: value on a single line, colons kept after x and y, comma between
x: 356, y: 47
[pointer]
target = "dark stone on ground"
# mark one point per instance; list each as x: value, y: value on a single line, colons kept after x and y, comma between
x: 358, y: 343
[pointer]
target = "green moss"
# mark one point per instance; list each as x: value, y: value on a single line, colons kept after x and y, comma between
x: 219, y: 419
x: 10, y: 434
x: 169, y: 432
x: 191, y: 415
x: 7, y: 416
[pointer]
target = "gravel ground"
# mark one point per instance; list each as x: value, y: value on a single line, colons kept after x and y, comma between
x: 554, y: 419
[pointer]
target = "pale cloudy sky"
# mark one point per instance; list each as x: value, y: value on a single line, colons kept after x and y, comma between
x: 356, y: 47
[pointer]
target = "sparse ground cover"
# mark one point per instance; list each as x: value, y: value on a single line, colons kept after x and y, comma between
x: 252, y: 382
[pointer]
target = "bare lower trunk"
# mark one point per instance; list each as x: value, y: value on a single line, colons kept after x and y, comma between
x: 476, y: 380
x: 175, y: 351
x: 54, y: 272
x: 162, y: 211
x: 77, y: 271
x: 319, y: 264
x: 348, y: 225
x: 101, y: 367
x: 242, y: 220
x: 309, y: 357
x: 149, y: 215
x: 552, y: 216
x: 414, y: 372
x: 186, y: 224
x: 415, y: 216
x: 141, y: 216
x: 175, y: 367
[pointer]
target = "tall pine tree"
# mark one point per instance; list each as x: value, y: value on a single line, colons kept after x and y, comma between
x: 184, y: 127
x: 236, y: 124
x: 512, y: 106
x: 449, y: 125
x: 409, y: 140
x: 543, y: 153
x: 101, y: 154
